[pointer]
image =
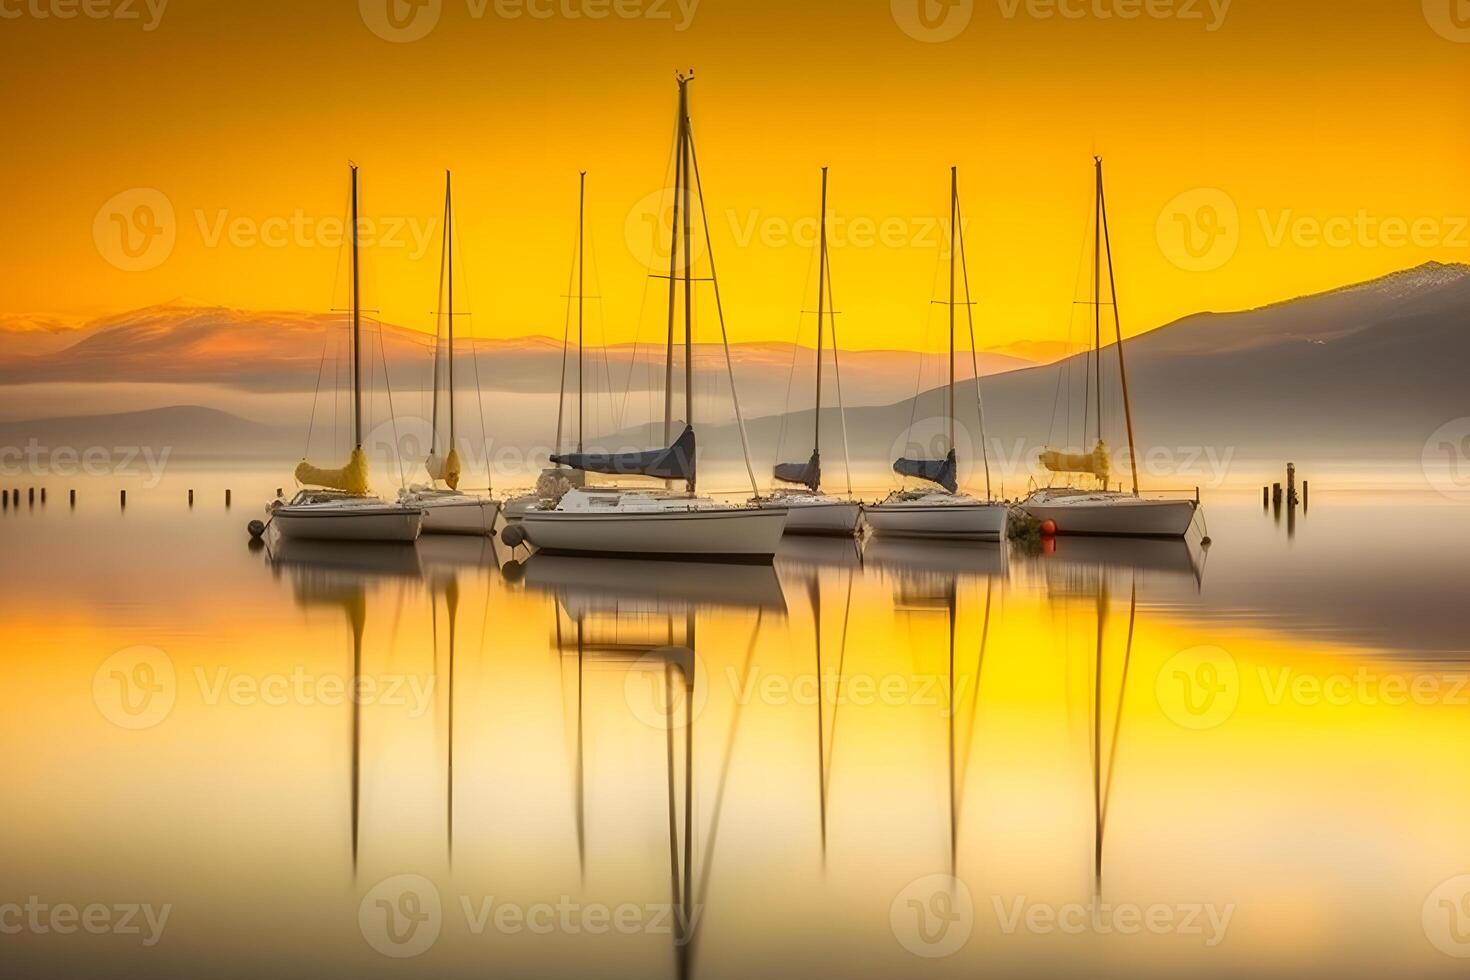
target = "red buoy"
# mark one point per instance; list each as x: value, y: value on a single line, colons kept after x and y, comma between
x: 1048, y: 529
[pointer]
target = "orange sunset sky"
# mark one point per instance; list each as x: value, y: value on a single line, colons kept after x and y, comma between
x: 1298, y: 145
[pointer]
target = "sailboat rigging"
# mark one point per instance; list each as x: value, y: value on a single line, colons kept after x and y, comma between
x: 448, y: 510
x: 810, y: 510
x: 640, y: 522
x: 945, y: 513
x: 336, y: 504
x: 1100, y: 510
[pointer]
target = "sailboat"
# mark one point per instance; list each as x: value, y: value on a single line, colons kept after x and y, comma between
x: 447, y: 509
x: 1100, y: 510
x: 623, y: 521
x: 336, y: 504
x: 810, y: 510
x: 555, y: 481
x: 945, y: 513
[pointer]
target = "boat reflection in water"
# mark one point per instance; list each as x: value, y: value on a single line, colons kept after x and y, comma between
x: 640, y: 622
x: 339, y: 575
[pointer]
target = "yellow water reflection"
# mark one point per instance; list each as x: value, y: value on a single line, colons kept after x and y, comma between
x: 871, y: 761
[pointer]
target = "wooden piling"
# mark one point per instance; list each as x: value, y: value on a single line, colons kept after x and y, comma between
x: 1265, y: 496
x: 5, y: 499
x: 191, y: 498
x: 122, y: 498
x: 43, y: 495
x: 227, y: 498
x: 73, y: 498
x: 1276, y: 494
x: 1291, y: 497
x: 31, y: 496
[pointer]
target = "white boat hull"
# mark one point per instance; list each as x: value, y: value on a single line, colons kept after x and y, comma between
x: 743, y: 533
x: 348, y: 524
x: 1119, y: 515
x: 839, y: 518
x: 972, y: 521
x: 467, y: 515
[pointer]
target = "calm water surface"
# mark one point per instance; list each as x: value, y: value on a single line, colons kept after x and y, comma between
x: 895, y: 760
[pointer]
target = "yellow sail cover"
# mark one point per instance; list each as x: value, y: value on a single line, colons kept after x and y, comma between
x: 446, y: 468
x: 1095, y: 463
x: 352, y: 478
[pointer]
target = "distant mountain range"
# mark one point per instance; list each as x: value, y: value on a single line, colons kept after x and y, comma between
x: 1366, y: 372
x: 183, y: 343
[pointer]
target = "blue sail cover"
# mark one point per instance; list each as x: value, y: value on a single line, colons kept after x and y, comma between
x: 674, y: 463
x: 940, y: 471
x: 808, y: 474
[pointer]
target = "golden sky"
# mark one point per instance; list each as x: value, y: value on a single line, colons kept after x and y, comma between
x: 1302, y: 145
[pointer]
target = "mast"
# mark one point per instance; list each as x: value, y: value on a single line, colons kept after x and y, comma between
x: 679, y: 177
x: 449, y: 253
x: 684, y: 148
x: 1097, y: 301
x: 1102, y: 206
x: 581, y: 269
x: 954, y: 223
x: 821, y: 318
x: 356, y: 324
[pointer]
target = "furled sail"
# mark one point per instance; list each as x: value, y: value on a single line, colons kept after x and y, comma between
x: 808, y: 474
x: 1095, y: 463
x: 940, y: 471
x: 673, y: 463
x: 352, y: 478
x: 446, y: 468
